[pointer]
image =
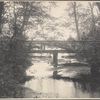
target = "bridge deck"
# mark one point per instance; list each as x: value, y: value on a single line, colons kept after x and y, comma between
x: 51, y: 51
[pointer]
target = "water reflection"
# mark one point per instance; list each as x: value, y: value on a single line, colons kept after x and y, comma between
x: 51, y: 86
x: 65, y: 85
x: 91, y: 88
x: 85, y: 86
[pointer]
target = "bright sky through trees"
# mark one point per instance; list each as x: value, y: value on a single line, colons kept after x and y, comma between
x: 58, y: 10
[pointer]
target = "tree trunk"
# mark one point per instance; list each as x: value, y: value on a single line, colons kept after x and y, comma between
x: 1, y: 12
x: 93, y: 19
x: 76, y: 21
x: 98, y: 4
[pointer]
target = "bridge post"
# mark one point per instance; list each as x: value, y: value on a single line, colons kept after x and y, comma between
x: 44, y: 46
x: 41, y: 46
x: 55, y: 62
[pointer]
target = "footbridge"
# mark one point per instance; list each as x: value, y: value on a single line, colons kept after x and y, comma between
x: 55, y: 47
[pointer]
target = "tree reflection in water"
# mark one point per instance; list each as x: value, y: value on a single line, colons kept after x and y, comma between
x: 85, y: 83
x: 88, y: 83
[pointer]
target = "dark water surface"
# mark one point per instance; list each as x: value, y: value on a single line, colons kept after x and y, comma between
x: 44, y: 86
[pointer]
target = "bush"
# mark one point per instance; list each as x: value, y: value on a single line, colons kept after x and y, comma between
x: 13, y: 67
x: 90, y: 51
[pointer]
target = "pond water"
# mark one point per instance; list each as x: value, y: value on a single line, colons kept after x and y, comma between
x: 44, y: 86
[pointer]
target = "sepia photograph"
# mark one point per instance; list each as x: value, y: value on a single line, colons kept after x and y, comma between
x: 50, y: 49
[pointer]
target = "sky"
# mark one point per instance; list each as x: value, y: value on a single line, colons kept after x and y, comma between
x: 59, y: 11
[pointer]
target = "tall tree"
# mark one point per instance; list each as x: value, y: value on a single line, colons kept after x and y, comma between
x: 98, y: 4
x: 79, y: 17
x: 1, y: 13
x: 92, y: 16
x: 18, y: 18
x: 76, y: 20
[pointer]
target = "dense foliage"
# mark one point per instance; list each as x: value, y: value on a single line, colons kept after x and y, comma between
x: 89, y: 50
x: 17, y: 18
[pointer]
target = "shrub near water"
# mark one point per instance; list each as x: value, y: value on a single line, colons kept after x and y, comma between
x: 90, y: 51
x: 13, y: 67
